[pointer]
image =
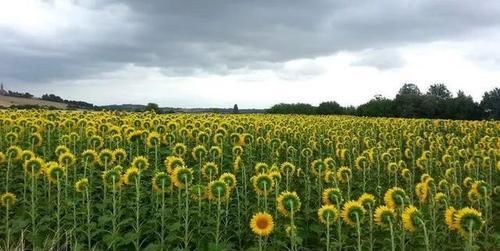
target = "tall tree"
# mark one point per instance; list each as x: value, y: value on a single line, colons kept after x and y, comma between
x: 330, y: 107
x: 491, y: 103
x: 439, y: 91
x: 235, y: 109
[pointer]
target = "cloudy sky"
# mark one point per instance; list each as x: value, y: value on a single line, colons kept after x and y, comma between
x: 199, y: 53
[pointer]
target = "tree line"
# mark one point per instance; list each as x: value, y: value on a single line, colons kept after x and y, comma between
x: 410, y: 102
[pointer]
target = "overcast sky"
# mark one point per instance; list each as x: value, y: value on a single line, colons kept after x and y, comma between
x: 211, y: 53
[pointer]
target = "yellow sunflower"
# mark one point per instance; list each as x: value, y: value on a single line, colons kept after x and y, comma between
x: 262, y: 224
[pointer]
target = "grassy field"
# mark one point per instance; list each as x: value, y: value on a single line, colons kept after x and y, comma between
x: 141, y: 181
x: 6, y: 101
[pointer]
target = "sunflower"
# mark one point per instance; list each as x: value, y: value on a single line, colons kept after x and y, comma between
x: 344, y: 174
x: 288, y: 203
x: 90, y: 156
x: 182, y: 176
x: 237, y: 150
x: 328, y: 214
x: 61, y: 149
x: 112, y: 177
x: 106, y: 157
x: 480, y: 187
x: 287, y: 168
x: 131, y: 175
x: 209, y: 170
x: 179, y: 149
x: 367, y: 200
x: 262, y: 224
x: 55, y: 171
x: 440, y: 198
x: 198, y: 192
x: 261, y: 168
x: 153, y: 140
x: 229, y: 179
x: 332, y: 196
x: 13, y: 153
x: 199, y: 152
x: 237, y: 163
x: 140, y: 162
x: 215, y: 151
x: 8, y: 199
x: 468, y: 221
x: 411, y: 217
x: 468, y: 181
x: 34, y: 166
x: 67, y: 159
x: 161, y: 182
x: 422, y: 190
x: 262, y: 183
x: 361, y: 162
x: 352, y: 212
x: 120, y: 155
x: 218, y: 190
x: 406, y: 173
x: 449, y: 217
x: 81, y: 185
x: 172, y: 162
x: 318, y: 167
x: 395, y: 197
x: 384, y: 216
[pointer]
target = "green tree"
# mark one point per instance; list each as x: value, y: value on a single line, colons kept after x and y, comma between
x: 152, y: 107
x: 491, y: 103
x: 330, y: 107
x: 235, y: 109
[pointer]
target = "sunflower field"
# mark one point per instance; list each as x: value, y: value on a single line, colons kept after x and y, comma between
x: 75, y: 180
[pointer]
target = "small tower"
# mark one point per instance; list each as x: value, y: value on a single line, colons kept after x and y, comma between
x: 2, y: 90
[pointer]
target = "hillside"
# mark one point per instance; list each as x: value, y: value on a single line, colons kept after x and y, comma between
x: 7, y: 101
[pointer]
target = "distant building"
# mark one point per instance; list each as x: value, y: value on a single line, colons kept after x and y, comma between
x: 3, y: 92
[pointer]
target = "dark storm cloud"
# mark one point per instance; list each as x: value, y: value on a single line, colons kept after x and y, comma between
x: 182, y: 37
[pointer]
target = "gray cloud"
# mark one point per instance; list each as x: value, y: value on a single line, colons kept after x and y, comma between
x: 183, y: 37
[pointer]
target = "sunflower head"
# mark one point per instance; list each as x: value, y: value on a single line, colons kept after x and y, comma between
x: 344, y: 174
x: 262, y: 183
x: 34, y: 166
x: 55, y: 172
x: 61, y: 149
x: 198, y: 192
x: 411, y: 218
x: 140, y: 162
x: 318, y: 167
x: 199, y: 152
x: 237, y: 150
x: 81, y: 185
x: 162, y: 182
x: 468, y: 221
x: 27, y: 155
x: 215, y: 151
x: 328, y: 214
x: 179, y: 149
x: 481, y: 187
x: 352, y: 212
x: 332, y: 196
x: 8, y: 199
x: 153, y: 140
x: 90, y: 156
x: 367, y: 200
x: 67, y: 159
x: 209, y: 170
x: 131, y: 175
x: 172, y: 162
x: 182, y: 176
x: 421, y: 190
x: 288, y: 203
x: 395, y: 197
x: 406, y: 173
x: 13, y: 153
x: 287, y: 168
x: 261, y: 168
x: 361, y: 162
x: 106, y: 157
x: 262, y: 224
x: 218, y: 190
x: 120, y: 155
x: 112, y: 178
x: 384, y: 216
x: 449, y: 217
x: 229, y: 179
x: 468, y: 181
